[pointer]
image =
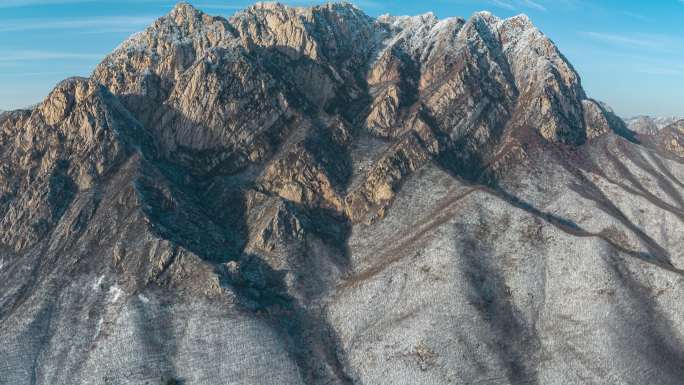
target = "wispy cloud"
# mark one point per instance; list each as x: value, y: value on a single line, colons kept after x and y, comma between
x: 637, y: 16
x: 661, y: 71
x: 620, y: 39
x: 514, y: 5
x: 535, y: 5
x: 27, y: 3
x: 109, y: 22
x: 640, y: 62
x: 21, y: 56
x: 646, y: 41
x: 504, y: 4
x: 60, y: 74
x: 657, y: 66
x: 30, y: 3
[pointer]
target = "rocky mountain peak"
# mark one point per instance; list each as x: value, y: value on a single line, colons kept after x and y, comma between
x: 68, y: 93
x: 184, y: 8
x: 480, y: 88
x: 324, y: 32
x: 268, y: 188
x: 184, y: 11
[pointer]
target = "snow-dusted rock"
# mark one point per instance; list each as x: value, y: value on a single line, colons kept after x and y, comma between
x: 314, y: 196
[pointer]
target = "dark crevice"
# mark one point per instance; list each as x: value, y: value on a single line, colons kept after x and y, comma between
x: 640, y: 190
x: 312, y: 341
x: 666, y: 181
x: 652, y: 334
x: 515, y: 342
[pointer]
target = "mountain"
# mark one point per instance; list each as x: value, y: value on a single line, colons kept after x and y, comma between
x: 316, y: 196
x: 671, y: 138
x: 665, y: 134
x: 649, y: 124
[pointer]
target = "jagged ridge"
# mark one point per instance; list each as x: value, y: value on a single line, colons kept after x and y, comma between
x: 244, y: 172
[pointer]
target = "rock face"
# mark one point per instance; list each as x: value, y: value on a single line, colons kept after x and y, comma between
x: 672, y: 138
x: 315, y: 196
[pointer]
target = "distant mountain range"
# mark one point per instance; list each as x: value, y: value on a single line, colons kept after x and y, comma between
x: 649, y: 124
x: 317, y: 196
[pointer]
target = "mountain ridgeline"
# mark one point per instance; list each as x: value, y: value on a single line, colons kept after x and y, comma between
x: 316, y: 196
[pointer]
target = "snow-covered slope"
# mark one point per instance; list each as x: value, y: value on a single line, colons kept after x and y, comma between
x: 314, y: 196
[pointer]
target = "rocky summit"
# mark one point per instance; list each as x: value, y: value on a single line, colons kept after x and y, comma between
x: 316, y: 196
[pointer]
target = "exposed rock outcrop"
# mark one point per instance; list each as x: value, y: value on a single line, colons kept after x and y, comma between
x: 316, y: 196
x: 673, y: 138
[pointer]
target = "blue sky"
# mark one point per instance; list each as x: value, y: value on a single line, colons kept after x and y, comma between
x: 630, y: 54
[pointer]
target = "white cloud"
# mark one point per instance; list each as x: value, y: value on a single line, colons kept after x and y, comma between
x: 19, y: 56
x: 656, y: 66
x: 112, y: 22
x: 26, y: 3
x: 620, y: 39
x: 535, y: 5
x: 660, y: 71
x: 504, y: 4
x: 637, y: 16
x: 29, y: 3
x: 513, y: 5
x: 662, y: 43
